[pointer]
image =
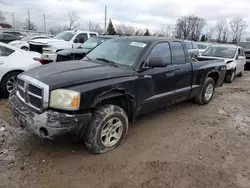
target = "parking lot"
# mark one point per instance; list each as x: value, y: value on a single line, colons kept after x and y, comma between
x: 186, y: 145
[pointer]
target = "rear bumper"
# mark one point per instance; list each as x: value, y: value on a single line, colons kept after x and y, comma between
x: 50, y: 124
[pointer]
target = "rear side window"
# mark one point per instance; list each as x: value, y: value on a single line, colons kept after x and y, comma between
x: 188, y: 45
x: 92, y: 34
x: 195, y: 46
x: 178, y: 53
x: 5, y: 51
x: 161, y: 50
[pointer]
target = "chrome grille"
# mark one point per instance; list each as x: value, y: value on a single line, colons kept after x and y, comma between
x: 33, y: 92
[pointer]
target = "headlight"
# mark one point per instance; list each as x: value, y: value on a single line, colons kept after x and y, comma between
x: 64, y: 99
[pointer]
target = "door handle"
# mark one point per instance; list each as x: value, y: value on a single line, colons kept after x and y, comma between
x: 1, y: 62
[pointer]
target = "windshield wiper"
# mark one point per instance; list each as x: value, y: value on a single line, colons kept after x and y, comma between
x: 108, y: 61
x: 88, y: 58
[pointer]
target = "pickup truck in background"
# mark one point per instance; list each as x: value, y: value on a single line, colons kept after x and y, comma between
x: 246, y: 48
x: 82, y: 50
x: 63, y: 40
x: 233, y: 56
x: 95, y: 98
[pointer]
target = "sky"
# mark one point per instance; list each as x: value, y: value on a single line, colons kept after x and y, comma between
x: 150, y: 14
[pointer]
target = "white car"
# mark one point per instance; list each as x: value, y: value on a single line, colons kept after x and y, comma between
x: 203, y: 46
x: 233, y: 56
x: 13, y: 61
x: 23, y: 43
x: 63, y: 40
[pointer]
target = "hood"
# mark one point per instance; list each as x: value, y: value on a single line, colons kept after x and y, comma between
x: 45, y: 41
x: 73, y: 51
x: 219, y: 58
x: 69, y: 73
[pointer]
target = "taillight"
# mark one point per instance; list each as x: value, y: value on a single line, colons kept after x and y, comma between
x: 39, y: 59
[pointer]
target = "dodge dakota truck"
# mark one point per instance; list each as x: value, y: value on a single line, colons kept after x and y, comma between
x: 94, y: 99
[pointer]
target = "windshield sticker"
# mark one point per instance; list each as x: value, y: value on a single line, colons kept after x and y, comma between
x: 138, y: 44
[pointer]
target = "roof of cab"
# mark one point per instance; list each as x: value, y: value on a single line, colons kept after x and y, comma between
x: 149, y: 39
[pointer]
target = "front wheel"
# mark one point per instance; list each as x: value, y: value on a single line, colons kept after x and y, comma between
x: 207, y: 92
x: 8, y: 83
x: 107, y: 129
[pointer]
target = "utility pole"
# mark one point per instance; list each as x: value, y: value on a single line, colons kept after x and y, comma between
x: 44, y: 22
x: 105, y: 21
x: 28, y: 19
x: 13, y: 20
x: 89, y: 25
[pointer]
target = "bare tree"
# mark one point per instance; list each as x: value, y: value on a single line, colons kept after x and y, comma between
x: 72, y: 21
x: 209, y: 34
x: 225, y: 35
x: 122, y: 29
x: 237, y: 27
x: 95, y: 27
x: 139, y: 31
x: 55, y: 30
x: 2, y: 17
x: 18, y: 25
x: 190, y: 27
x: 220, y: 27
x: 29, y: 25
x: 164, y: 30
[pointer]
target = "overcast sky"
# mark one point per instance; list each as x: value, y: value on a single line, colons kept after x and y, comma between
x: 144, y: 13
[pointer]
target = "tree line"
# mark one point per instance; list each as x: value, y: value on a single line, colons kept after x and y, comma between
x: 189, y: 27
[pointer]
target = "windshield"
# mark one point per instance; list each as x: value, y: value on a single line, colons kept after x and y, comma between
x: 245, y: 45
x: 202, y: 46
x: 67, y: 36
x: 226, y: 52
x: 122, y: 51
x: 93, y: 42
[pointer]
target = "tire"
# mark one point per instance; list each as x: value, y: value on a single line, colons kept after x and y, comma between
x: 241, y: 73
x: 12, y: 75
x: 25, y: 48
x: 97, y: 138
x: 206, y: 93
x: 230, y: 77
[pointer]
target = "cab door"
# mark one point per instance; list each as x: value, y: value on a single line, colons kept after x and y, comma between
x: 156, y: 85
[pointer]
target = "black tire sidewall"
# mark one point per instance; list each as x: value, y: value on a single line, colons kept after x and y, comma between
x: 4, y: 91
x: 92, y: 136
x: 208, y: 81
x: 229, y: 76
x: 24, y: 48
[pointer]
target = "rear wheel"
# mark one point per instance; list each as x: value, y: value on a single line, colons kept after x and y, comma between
x: 107, y: 129
x: 8, y: 83
x: 207, y: 92
x: 230, y: 77
x: 241, y: 74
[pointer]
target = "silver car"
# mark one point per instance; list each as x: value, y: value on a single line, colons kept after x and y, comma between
x: 203, y: 46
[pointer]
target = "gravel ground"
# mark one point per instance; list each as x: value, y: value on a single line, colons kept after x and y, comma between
x: 184, y: 146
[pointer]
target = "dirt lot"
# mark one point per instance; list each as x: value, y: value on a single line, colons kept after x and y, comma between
x: 185, y: 146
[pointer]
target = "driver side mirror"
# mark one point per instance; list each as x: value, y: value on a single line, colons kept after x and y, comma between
x: 240, y: 57
x: 156, y: 62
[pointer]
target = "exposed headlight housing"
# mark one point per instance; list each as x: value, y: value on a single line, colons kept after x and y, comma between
x: 65, y: 99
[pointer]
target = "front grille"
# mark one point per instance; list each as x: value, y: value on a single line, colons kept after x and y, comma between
x: 36, y: 48
x: 64, y: 58
x: 30, y: 94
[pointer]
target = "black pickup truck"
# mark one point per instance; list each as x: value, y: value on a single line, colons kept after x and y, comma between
x: 94, y: 99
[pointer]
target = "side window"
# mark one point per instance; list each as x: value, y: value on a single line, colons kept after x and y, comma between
x: 178, y: 53
x: 5, y: 51
x: 188, y: 45
x: 92, y: 34
x: 242, y: 52
x: 9, y: 37
x: 81, y: 38
x: 161, y: 50
x: 195, y: 46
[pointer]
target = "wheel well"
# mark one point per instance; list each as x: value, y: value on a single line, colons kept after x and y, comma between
x: 18, y: 71
x: 121, y: 101
x: 215, y: 76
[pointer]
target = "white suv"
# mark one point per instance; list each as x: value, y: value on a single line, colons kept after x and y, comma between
x: 63, y: 40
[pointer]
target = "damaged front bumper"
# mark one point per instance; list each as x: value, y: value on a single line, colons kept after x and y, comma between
x: 49, y: 124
